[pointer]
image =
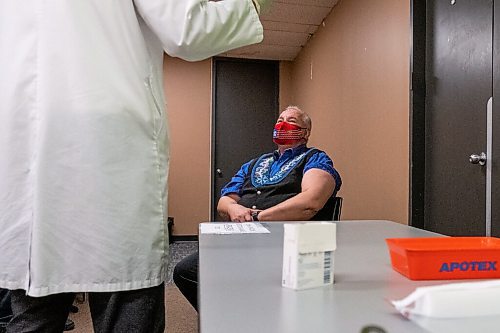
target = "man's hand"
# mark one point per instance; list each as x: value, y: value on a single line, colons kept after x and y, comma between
x: 262, y: 5
x: 239, y: 213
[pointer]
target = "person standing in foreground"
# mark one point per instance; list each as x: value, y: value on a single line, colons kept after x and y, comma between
x: 84, y: 150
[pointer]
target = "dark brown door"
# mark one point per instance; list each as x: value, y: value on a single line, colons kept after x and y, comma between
x: 245, y: 108
x: 459, y: 38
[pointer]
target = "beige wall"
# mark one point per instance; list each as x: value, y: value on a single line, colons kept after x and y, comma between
x: 188, y: 95
x: 352, y: 78
x: 286, y: 83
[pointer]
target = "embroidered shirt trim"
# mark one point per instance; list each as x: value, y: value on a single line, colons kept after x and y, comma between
x: 261, y: 172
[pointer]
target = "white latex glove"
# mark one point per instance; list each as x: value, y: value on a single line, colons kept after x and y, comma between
x: 262, y: 5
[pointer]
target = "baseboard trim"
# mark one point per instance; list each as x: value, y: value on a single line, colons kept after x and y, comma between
x: 184, y: 238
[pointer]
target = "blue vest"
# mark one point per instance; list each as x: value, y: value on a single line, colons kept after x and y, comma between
x: 260, y: 190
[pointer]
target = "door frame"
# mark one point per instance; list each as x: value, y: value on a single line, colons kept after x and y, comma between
x: 495, y: 190
x: 212, y: 212
x: 417, y: 113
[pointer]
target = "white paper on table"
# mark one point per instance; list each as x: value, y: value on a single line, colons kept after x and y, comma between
x: 233, y: 228
x: 455, y: 300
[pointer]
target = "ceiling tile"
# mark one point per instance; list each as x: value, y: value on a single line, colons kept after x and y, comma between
x: 268, y: 52
x: 300, y: 14
x: 285, y: 38
x: 288, y: 26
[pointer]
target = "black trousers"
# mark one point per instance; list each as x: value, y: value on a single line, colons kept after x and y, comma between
x: 138, y: 311
x: 5, y: 309
x: 186, y: 278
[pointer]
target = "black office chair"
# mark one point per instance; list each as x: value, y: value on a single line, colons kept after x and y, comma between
x: 337, y: 208
x: 331, y: 210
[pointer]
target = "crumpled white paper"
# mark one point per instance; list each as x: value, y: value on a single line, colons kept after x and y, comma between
x: 456, y: 300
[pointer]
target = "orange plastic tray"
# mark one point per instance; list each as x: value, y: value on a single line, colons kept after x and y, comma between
x: 446, y: 258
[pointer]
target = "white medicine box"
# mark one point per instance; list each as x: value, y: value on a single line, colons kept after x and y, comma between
x: 308, y: 253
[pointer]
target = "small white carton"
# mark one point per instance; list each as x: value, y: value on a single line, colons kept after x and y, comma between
x: 308, y: 251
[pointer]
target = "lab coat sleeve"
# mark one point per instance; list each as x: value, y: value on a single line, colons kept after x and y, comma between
x: 197, y: 29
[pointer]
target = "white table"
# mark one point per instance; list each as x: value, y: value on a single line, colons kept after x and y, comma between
x: 240, y: 283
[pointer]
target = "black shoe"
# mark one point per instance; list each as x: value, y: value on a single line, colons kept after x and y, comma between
x: 3, y: 323
x: 70, y: 325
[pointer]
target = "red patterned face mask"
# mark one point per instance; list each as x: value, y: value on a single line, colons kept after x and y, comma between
x: 287, y: 134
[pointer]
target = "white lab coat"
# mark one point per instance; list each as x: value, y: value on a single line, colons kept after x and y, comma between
x: 84, y: 138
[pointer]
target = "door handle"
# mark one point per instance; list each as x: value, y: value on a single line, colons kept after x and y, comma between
x: 478, y: 159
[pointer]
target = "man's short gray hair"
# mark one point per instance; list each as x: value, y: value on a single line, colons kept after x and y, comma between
x: 305, y: 117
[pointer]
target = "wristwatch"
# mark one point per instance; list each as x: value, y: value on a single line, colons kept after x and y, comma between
x: 255, y: 216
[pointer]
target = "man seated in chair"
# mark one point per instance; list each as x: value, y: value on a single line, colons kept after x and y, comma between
x: 293, y: 183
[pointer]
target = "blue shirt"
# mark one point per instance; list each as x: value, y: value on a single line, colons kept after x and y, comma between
x: 319, y: 160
